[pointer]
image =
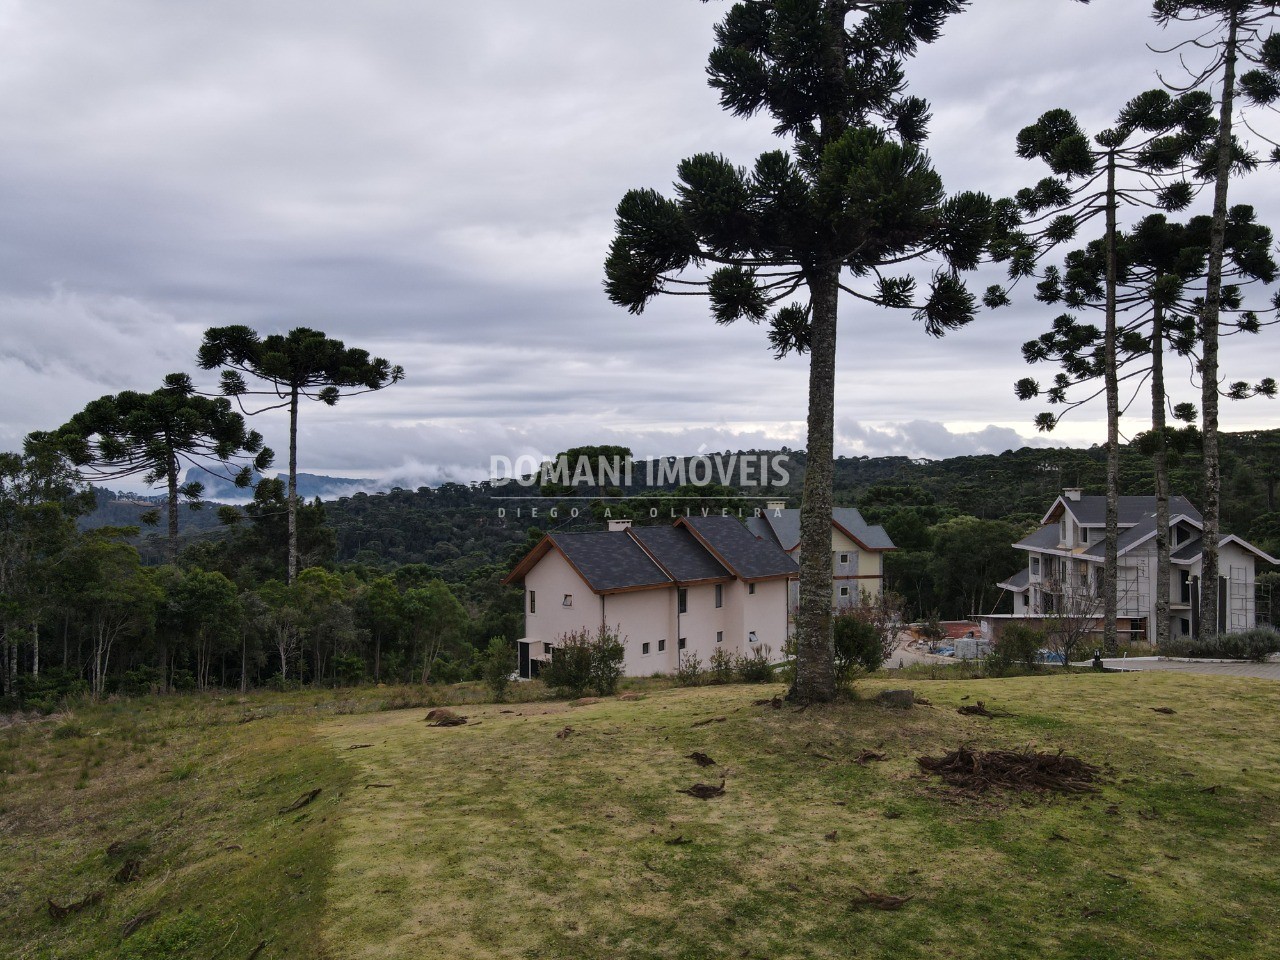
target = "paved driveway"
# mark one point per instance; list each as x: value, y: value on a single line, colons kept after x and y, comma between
x: 1232, y: 668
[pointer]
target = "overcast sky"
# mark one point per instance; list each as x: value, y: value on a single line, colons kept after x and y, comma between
x: 436, y: 182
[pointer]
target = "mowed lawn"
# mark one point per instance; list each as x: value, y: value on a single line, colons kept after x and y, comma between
x: 499, y: 838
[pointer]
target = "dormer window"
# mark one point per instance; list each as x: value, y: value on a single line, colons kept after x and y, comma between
x: 1062, y: 531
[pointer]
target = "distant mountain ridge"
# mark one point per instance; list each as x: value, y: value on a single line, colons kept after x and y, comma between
x: 310, y: 486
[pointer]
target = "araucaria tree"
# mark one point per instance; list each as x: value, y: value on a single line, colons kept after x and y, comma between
x: 158, y: 434
x: 302, y: 364
x: 1243, y: 60
x: 847, y: 210
x: 1142, y: 160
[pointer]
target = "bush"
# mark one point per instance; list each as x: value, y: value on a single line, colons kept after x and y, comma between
x: 755, y: 668
x: 497, y: 663
x: 858, y: 645
x: 1257, y: 645
x: 720, y: 667
x: 1018, y: 643
x: 582, y: 660
x: 689, y: 670
x: 348, y: 670
x: 143, y: 680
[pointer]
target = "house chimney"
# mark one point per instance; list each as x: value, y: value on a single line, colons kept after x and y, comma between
x: 774, y: 505
x: 617, y: 526
x: 1072, y: 494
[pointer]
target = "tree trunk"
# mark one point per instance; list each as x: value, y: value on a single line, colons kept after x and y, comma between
x: 815, y: 680
x: 171, y: 549
x: 35, y: 649
x: 1209, y: 339
x: 292, y: 572
x: 1110, y: 635
x: 244, y: 664
x: 1160, y: 460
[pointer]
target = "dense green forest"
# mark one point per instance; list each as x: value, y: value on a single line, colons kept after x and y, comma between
x: 407, y: 584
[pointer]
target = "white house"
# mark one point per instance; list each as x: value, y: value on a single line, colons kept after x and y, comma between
x: 857, y: 550
x: 701, y: 585
x: 1064, y: 570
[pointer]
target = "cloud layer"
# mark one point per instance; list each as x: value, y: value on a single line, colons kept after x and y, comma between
x: 436, y: 183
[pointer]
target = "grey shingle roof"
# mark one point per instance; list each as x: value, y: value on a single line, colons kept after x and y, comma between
x: 785, y: 527
x: 1046, y: 538
x: 610, y: 560
x: 872, y: 537
x: 1128, y: 537
x: 746, y: 555
x: 1018, y: 582
x: 1092, y: 511
x: 1189, y: 551
x: 679, y: 553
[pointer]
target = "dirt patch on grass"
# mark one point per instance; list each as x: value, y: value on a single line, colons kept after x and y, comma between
x: 981, y: 770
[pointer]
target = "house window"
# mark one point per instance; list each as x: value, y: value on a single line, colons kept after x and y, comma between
x: 1026, y: 600
x: 719, y: 636
x: 1184, y: 625
x: 1035, y: 566
x: 844, y: 558
x: 682, y: 600
x: 547, y: 648
x: 533, y: 601
x: 1084, y: 534
x: 719, y: 595
x: 644, y: 649
x: 751, y: 588
x: 844, y: 591
x: 568, y: 600
x: 1184, y: 585
x: 662, y: 645
x: 752, y: 638
x: 1062, y: 531
x: 680, y: 643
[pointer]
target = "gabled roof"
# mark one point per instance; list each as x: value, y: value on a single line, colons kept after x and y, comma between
x: 784, y: 525
x: 679, y: 554
x: 745, y: 555
x: 1092, y: 511
x: 609, y: 562
x: 1046, y: 538
x: 1020, y: 582
x: 1190, y: 551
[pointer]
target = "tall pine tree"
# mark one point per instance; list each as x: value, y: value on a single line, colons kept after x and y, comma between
x: 846, y: 210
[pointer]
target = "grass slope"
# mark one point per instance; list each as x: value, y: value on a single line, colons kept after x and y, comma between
x: 498, y: 839
x: 501, y: 840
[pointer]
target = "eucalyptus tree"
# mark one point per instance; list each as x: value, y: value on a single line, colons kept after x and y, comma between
x: 40, y: 497
x: 157, y: 434
x: 1231, y: 34
x: 1151, y: 146
x: 1160, y: 275
x: 848, y: 209
x: 302, y: 364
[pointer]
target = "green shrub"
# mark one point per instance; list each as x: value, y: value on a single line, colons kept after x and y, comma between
x: 1257, y: 645
x: 582, y: 660
x: 858, y: 646
x: 689, y: 670
x: 607, y: 655
x: 720, y: 667
x: 1017, y: 643
x: 71, y: 730
x: 349, y: 670
x: 755, y: 668
x: 497, y: 663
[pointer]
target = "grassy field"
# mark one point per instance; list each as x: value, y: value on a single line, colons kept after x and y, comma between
x: 499, y: 838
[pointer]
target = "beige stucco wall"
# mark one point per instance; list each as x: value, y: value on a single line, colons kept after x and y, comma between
x: 651, y: 616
